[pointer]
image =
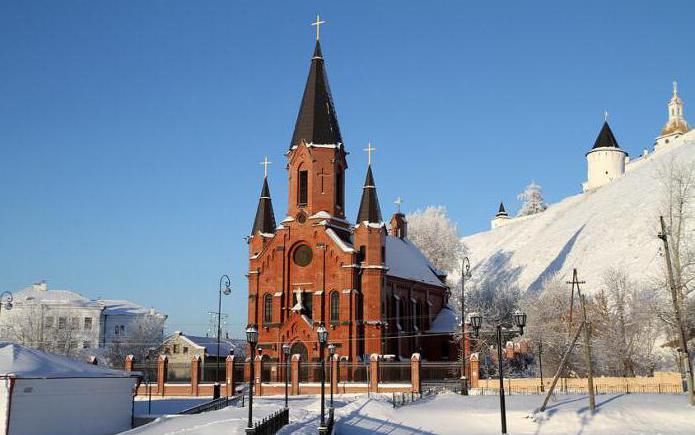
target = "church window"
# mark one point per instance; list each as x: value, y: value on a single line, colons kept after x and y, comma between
x: 340, y: 189
x: 303, y: 188
x: 362, y: 255
x: 335, y: 306
x: 268, y: 309
x: 302, y: 256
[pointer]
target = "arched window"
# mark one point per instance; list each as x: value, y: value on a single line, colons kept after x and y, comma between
x: 268, y: 309
x: 335, y: 306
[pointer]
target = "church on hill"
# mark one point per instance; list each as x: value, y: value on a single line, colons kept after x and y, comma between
x: 372, y: 288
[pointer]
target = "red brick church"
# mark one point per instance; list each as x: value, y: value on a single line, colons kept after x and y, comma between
x: 371, y: 287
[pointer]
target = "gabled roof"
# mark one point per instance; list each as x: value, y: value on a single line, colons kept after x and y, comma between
x: 605, y: 138
x: 265, y: 217
x: 405, y: 260
x: 370, y: 211
x: 317, y: 122
x: 447, y: 321
x: 210, y: 344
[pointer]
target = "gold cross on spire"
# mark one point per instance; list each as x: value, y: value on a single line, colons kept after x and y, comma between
x: 398, y: 202
x: 265, y: 164
x: 675, y: 87
x: 369, y: 150
x: 318, y: 23
x: 605, y: 116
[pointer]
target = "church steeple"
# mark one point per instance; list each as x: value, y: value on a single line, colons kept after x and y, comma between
x: 676, y: 120
x: 265, y: 218
x: 317, y: 122
x: 369, y: 205
x: 501, y: 211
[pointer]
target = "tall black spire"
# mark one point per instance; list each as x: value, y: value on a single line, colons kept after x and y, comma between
x: 317, y: 121
x: 265, y: 218
x: 501, y: 211
x: 369, y: 205
x: 605, y: 138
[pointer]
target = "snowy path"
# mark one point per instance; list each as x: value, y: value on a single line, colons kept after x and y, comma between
x: 453, y: 414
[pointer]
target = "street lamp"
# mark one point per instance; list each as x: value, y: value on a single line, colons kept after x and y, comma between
x: 252, y: 339
x: 224, y: 279
x: 519, y: 319
x: 286, y: 351
x: 331, y: 352
x: 322, y: 335
x: 6, y: 301
x: 465, y: 273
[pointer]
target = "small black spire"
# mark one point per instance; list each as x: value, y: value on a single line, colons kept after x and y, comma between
x: 501, y: 211
x: 265, y: 218
x: 605, y: 138
x: 317, y: 121
x: 369, y: 205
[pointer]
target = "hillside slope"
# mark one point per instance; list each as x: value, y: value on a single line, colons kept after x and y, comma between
x: 615, y: 225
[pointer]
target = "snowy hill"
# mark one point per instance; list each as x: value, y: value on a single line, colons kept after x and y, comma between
x: 614, y: 225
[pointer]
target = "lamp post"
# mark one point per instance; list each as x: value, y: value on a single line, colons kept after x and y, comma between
x: 465, y: 273
x: 252, y: 339
x: 6, y: 300
x: 286, y: 351
x: 331, y: 352
x: 520, y: 322
x: 224, y: 279
x: 322, y: 335
x: 147, y: 383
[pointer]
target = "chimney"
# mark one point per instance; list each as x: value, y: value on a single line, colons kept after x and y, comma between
x: 399, y: 226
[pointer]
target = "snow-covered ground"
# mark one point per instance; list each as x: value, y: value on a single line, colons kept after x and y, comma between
x: 453, y: 414
x: 615, y: 225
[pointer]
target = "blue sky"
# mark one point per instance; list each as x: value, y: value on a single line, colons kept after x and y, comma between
x: 131, y: 131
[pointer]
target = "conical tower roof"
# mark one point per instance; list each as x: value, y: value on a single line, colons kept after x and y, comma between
x: 370, y: 211
x: 265, y: 217
x: 501, y: 211
x: 605, y: 138
x: 317, y: 121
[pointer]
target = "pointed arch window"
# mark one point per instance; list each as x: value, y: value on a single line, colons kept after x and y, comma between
x: 268, y: 309
x: 335, y: 306
x: 303, y: 188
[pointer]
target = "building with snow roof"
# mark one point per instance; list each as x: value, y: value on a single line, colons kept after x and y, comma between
x: 373, y: 289
x: 65, y: 322
x: 42, y: 393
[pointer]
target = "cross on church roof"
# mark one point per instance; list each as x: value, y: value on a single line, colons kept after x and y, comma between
x: 369, y: 150
x: 265, y: 164
x: 398, y: 202
x: 318, y: 23
x: 605, y: 116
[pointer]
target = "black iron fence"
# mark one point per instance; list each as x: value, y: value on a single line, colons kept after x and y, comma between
x: 394, y: 372
x: 214, y: 405
x: 356, y: 372
x: 435, y: 372
x: 271, y: 424
x: 149, y: 372
x: 598, y: 389
x: 178, y: 373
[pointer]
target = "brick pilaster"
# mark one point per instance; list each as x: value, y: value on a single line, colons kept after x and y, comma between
x: 195, y: 375
x: 162, y: 372
x: 258, y: 373
x: 415, y: 373
x: 335, y: 372
x: 128, y: 364
x: 295, y: 373
x: 474, y: 367
x: 374, y: 373
x: 229, y: 371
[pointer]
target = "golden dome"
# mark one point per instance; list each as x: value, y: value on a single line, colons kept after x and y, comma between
x: 675, y: 126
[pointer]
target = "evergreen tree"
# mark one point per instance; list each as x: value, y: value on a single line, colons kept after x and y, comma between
x: 532, y: 200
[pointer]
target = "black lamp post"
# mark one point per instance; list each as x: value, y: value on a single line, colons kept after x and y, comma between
x: 286, y: 351
x: 224, y: 279
x: 331, y: 352
x: 465, y: 273
x: 520, y: 322
x: 252, y: 339
x: 322, y: 335
x: 6, y: 300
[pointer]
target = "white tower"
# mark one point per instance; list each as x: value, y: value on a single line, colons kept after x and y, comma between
x: 676, y: 126
x: 501, y: 218
x: 606, y: 161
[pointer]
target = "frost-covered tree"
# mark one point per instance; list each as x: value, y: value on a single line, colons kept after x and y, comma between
x: 437, y: 237
x: 532, y: 201
x: 145, y: 336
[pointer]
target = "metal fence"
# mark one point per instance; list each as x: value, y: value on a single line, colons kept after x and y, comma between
x: 149, y: 371
x: 356, y: 372
x: 394, y: 372
x: 438, y: 372
x: 271, y: 424
x: 598, y: 389
x: 179, y: 373
x: 215, y: 404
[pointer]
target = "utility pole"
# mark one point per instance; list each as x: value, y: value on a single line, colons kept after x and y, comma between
x: 540, y: 363
x: 677, y: 311
x: 561, y: 367
x: 587, y: 339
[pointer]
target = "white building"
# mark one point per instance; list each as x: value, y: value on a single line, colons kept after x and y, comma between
x: 65, y: 322
x: 676, y: 131
x: 605, y: 161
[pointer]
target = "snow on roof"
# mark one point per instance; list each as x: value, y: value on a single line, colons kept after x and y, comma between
x: 405, y: 260
x: 446, y: 321
x: 113, y: 307
x: 66, y: 297
x: 23, y: 362
x: 338, y: 241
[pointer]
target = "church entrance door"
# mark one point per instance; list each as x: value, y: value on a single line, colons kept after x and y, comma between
x: 300, y: 348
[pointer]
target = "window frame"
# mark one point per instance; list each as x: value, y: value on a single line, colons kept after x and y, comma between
x: 267, y: 309
x: 335, y: 307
